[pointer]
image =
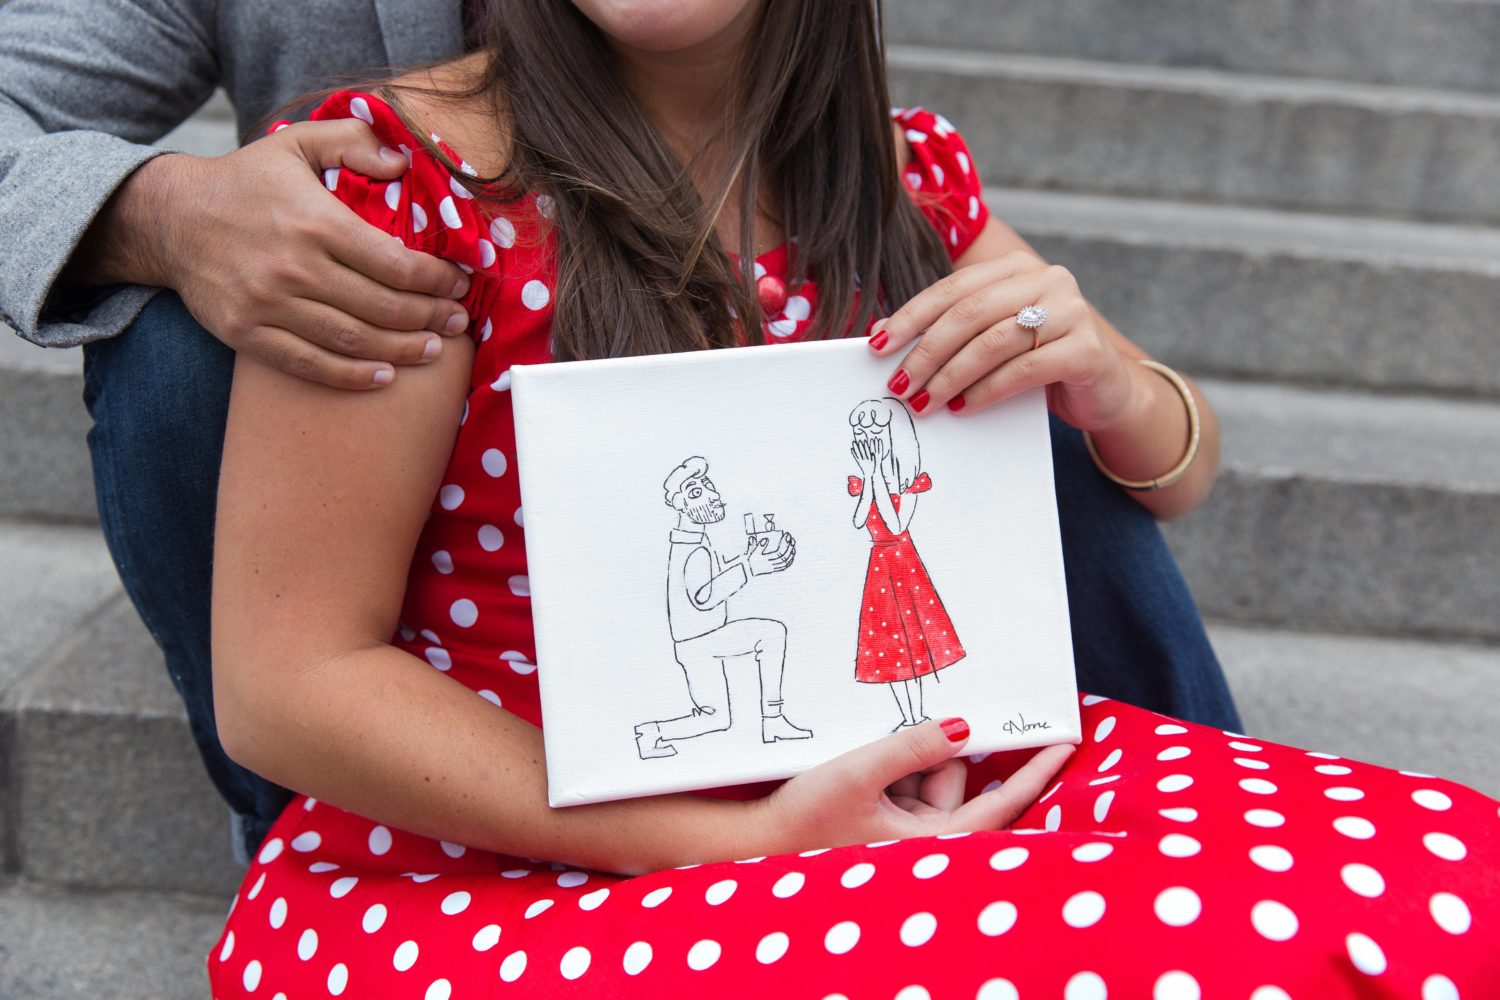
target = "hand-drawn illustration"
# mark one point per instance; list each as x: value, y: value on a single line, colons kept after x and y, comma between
x: 700, y: 582
x: 904, y: 630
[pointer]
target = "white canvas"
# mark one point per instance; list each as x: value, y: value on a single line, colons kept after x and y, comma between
x: 628, y: 611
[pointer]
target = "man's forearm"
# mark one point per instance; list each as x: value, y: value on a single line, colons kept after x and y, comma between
x: 128, y: 240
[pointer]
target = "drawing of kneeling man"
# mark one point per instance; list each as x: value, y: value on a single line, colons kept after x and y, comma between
x: 699, y: 584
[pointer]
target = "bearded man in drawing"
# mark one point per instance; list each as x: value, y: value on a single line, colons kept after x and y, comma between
x: 700, y: 583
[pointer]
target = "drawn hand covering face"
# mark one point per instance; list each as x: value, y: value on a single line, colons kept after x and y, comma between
x: 884, y: 438
x: 696, y: 496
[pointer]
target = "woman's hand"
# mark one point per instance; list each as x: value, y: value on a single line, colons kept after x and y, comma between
x: 908, y: 784
x: 862, y: 456
x: 973, y: 353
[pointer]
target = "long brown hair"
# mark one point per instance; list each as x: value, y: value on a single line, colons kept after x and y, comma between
x: 640, y: 268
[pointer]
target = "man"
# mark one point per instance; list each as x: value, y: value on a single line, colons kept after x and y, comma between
x: 699, y: 585
x: 96, y: 224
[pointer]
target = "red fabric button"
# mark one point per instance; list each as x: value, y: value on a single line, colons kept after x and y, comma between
x: 772, y: 293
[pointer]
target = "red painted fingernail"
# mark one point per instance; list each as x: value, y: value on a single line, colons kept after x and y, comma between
x: 878, y: 340
x: 920, y: 400
x: 956, y: 403
x: 956, y: 729
x: 899, y: 381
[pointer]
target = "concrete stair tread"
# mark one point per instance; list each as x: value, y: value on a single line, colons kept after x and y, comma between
x: 55, y: 577
x: 65, y: 945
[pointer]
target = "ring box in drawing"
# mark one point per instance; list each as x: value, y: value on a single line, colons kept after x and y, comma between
x: 776, y: 562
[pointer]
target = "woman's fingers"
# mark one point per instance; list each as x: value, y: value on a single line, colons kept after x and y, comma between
x: 923, y: 309
x: 942, y: 788
x: 1001, y: 361
x: 998, y: 808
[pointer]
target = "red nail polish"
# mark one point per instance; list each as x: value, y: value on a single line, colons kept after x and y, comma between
x: 956, y: 729
x: 920, y: 400
x: 956, y: 403
x: 877, y: 341
x: 899, y: 381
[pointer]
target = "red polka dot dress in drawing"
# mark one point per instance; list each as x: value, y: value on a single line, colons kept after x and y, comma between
x: 904, y: 630
x: 1167, y: 860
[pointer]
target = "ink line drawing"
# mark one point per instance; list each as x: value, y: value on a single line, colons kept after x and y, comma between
x: 700, y: 582
x: 905, y: 633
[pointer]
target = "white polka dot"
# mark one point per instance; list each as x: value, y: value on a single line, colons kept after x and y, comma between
x: 1445, y: 846
x: 1267, y: 818
x: 270, y: 851
x: 438, y: 657
x: 502, y: 381
x: 1167, y: 729
x: 997, y: 918
x: 374, y: 918
x: 278, y: 913
x: 998, y: 989
x: 1450, y: 912
x: 797, y: 308
x: 442, y: 561
x: 720, y: 891
x: 360, y: 108
x: 405, y: 956
x: 418, y: 217
x: 575, y: 962
x: 703, y: 955
x: 331, y: 178
x: 771, y: 948
x: 545, y: 206
x: 1174, y: 783
x: 1091, y: 852
x: 1111, y: 760
x: 1083, y: 909
x: 1439, y: 987
x: 1178, y: 906
x: 1431, y: 798
x: 1180, y: 814
x: 1179, y: 845
x: 1363, y: 879
x: 503, y: 232
x: 841, y: 937
x: 419, y: 879
x: 1247, y: 747
x: 338, y: 979
x: 380, y: 840
x: 1054, y: 818
x: 307, y: 945
x: 1343, y: 794
x: 518, y: 662
x: 1173, y: 753
x: 1365, y: 954
x: 918, y: 929
x: 342, y: 887
x: 857, y: 875
x: 570, y: 879
x: 788, y: 885
x: 1271, y: 858
x: 318, y: 867
x: 251, y: 978
x: 931, y: 866
x: 1092, y: 699
x: 534, y: 295
x: 1273, y: 920
x: 1323, y: 756
x: 487, y: 937
x: 1102, y: 804
x: 1085, y: 986
x: 451, y: 496
x: 449, y: 212
x: 520, y: 585
x: 656, y: 897
x: 1252, y: 763
x: 1008, y: 858
x: 228, y: 947
x: 255, y: 889
x: 1257, y: 786
x: 1270, y: 993
x: 1355, y: 826
x: 1334, y: 769
x: 513, y: 966
x: 1104, y: 728
x: 455, y: 903
x: 637, y: 957
x: 464, y: 612
x: 538, y: 907
x: 913, y: 992
x: 1176, y: 985
x: 440, y: 989
x: 593, y: 900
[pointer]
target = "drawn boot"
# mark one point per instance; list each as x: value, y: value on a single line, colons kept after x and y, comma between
x: 776, y: 727
x: 649, y: 744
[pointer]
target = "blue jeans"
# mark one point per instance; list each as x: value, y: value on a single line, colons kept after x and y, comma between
x: 159, y: 397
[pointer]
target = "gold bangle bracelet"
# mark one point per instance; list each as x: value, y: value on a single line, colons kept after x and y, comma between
x: 1194, y: 433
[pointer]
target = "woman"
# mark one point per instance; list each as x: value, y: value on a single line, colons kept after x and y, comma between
x: 890, y: 482
x: 370, y: 554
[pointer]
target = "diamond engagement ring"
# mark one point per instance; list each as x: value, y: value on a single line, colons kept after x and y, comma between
x: 1031, y: 318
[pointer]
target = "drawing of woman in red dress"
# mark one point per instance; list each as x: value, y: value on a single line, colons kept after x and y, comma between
x: 904, y: 630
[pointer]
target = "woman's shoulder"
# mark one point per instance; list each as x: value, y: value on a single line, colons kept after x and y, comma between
x: 939, y: 172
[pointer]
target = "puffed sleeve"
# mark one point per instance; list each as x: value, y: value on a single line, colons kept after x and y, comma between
x: 921, y: 484
x: 942, y: 178
x: 856, y: 486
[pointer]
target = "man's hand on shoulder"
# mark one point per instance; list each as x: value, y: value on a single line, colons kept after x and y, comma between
x: 273, y: 265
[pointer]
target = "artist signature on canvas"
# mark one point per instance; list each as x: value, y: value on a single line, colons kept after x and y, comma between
x: 1020, y: 725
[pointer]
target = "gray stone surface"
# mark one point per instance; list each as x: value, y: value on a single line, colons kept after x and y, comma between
x: 1429, y: 43
x: 109, y: 789
x: 44, y: 460
x: 1349, y: 513
x: 1410, y: 705
x: 52, y: 578
x: 1195, y: 134
x: 60, y: 945
x: 1274, y: 295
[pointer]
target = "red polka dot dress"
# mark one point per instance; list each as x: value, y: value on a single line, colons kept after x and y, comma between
x: 1168, y: 860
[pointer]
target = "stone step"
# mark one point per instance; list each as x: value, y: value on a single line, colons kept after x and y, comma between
x: 1209, y: 135
x: 1406, y: 704
x: 1350, y: 512
x: 1423, y: 43
x: 44, y: 459
x: 66, y: 945
x: 1258, y: 293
